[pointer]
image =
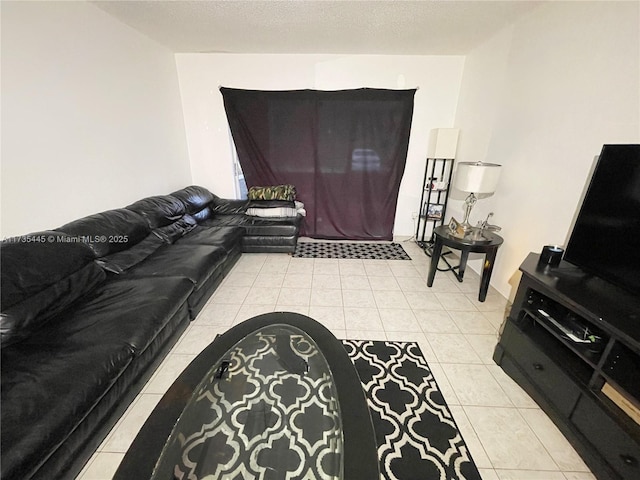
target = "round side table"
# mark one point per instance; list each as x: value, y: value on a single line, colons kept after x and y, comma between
x: 488, y: 245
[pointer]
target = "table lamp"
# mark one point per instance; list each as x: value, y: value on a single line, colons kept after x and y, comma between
x: 475, y: 178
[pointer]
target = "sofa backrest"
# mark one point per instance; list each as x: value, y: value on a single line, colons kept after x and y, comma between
x: 194, y: 197
x: 159, y: 211
x: 109, y: 232
x: 197, y: 201
x: 42, y: 273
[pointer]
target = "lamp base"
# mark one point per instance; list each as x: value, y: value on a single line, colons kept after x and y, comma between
x: 469, y: 202
x: 467, y: 228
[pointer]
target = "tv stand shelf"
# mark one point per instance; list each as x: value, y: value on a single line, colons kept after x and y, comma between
x: 572, y: 341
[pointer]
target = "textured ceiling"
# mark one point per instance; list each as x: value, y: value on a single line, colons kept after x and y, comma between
x: 426, y: 27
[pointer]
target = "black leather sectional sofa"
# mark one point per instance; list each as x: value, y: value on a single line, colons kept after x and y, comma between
x: 90, y: 309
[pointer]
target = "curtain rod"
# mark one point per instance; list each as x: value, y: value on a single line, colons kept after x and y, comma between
x: 414, y: 88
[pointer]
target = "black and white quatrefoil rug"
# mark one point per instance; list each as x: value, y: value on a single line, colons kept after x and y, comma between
x: 362, y: 250
x: 417, y: 437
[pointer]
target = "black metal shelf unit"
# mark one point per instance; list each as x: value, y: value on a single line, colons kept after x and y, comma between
x: 433, y: 199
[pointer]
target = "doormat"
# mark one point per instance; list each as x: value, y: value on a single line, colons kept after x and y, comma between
x: 416, y: 434
x: 365, y: 251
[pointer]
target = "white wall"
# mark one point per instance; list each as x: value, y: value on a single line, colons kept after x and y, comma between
x: 438, y: 79
x: 91, y: 115
x: 541, y: 98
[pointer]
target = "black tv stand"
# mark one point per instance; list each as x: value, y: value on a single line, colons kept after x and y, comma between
x: 572, y: 341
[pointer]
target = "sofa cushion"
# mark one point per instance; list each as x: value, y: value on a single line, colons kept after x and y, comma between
x: 256, y: 226
x: 54, y: 378
x: 160, y: 210
x: 226, y: 237
x: 122, y: 261
x: 226, y: 221
x: 223, y: 206
x: 195, y: 262
x: 46, y: 390
x: 125, y: 310
x: 109, y: 232
x: 40, y: 279
x: 171, y: 233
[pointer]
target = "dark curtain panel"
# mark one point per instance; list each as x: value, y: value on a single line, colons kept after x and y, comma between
x: 345, y: 151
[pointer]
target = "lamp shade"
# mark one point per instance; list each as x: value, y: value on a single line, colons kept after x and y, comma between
x: 477, y: 177
x: 443, y: 143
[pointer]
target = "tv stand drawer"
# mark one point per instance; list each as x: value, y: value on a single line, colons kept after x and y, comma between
x: 547, y: 377
x: 620, y: 450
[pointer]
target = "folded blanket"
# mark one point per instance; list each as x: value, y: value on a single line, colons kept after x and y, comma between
x: 275, y: 208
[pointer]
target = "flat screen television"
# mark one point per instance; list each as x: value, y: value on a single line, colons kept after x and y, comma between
x: 605, y: 240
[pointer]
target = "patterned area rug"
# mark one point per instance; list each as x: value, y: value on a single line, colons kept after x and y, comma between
x: 368, y: 251
x: 417, y: 437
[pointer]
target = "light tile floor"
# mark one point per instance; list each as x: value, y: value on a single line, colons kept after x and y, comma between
x: 509, y: 437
